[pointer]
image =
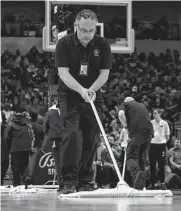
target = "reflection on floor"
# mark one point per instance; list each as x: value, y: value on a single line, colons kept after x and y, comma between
x: 49, y: 201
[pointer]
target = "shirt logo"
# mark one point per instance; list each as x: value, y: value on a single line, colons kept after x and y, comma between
x: 96, y: 52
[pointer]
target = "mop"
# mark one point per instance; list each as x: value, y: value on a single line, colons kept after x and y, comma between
x: 122, y: 189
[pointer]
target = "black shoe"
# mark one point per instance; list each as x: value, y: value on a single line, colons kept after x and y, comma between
x: 27, y: 182
x: 86, y: 187
x: 151, y: 187
x: 162, y: 186
x: 60, y: 189
x: 68, y: 188
x: 139, y: 182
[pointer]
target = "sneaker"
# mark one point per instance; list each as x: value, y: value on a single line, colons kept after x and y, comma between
x: 157, y: 185
x: 151, y: 187
x: 94, y: 184
x: 106, y: 186
x: 163, y: 186
x: 85, y: 187
x: 68, y: 188
x: 139, y: 182
x: 60, y: 189
x: 27, y: 182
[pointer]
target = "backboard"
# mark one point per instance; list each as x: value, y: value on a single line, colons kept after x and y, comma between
x: 114, y: 17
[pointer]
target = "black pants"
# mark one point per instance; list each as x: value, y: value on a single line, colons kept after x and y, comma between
x: 106, y: 175
x: 4, y: 168
x: 67, y: 158
x: 75, y: 115
x: 157, y: 153
x: 177, y: 171
x: 137, y: 154
x: 19, y: 163
x: 33, y: 158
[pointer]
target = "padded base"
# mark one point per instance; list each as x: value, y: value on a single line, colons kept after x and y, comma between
x: 120, y: 191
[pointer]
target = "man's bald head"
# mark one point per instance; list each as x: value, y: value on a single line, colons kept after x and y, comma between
x: 128, y: 99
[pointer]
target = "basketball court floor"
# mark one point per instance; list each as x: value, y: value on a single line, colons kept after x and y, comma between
x: 49, y: 201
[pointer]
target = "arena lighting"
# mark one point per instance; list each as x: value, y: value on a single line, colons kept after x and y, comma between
x: 123, y: 46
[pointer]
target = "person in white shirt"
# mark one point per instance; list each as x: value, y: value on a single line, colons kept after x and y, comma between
x: 157, y: 151
x: 7, y: 111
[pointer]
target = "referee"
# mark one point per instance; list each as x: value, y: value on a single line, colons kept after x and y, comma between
x: 157, y: 151
x: 83, y: 60
x: 136, y: 118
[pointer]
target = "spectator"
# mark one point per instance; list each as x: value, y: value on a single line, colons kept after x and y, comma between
x: 9, y: 20
x: 22, y: 21
x: 7, y: 111
x: 16, y: 104
x: 28, y: 95
x: 162, y: 28
x: 106, y: 171
x: 175, y: 158
x: 168, y: 56
x: 157, y: 151
x: 180, y: 25
x: 147, y: 28
x: 4, y: 150
x: 19, y: 138
x: 38, y: 136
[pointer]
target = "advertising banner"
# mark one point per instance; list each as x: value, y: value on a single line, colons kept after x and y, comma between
x: 44, y: 165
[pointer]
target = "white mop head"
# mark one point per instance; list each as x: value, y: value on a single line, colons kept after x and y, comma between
x: 20, y: 189
x: 120, y: 191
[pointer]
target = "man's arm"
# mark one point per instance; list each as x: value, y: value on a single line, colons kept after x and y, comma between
x: 167, y: 137
x: 122, y: 118
x: 167, y: 131
x: 68, y: 79
x: 171, y: 160
x: 62, y: 62
x: 101, y: 80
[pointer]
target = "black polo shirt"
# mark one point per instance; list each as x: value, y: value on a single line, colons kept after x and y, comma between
x: 70, y: 53
x: 138, y: 120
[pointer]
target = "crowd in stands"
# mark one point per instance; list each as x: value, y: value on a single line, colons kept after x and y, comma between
x: 24, y: 80
x: 146, y: 29
x: 153, y: 80
x: 153, y: 30
x: 21, y: 25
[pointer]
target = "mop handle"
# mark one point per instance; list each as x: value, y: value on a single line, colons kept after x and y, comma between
x: 124, y: 164
x: 106, y: 141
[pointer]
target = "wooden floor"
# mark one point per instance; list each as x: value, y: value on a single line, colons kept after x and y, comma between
x: 50, y: 202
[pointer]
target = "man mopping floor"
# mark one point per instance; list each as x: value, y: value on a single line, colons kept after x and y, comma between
x: 135, y: 118
x: 122, y: 189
